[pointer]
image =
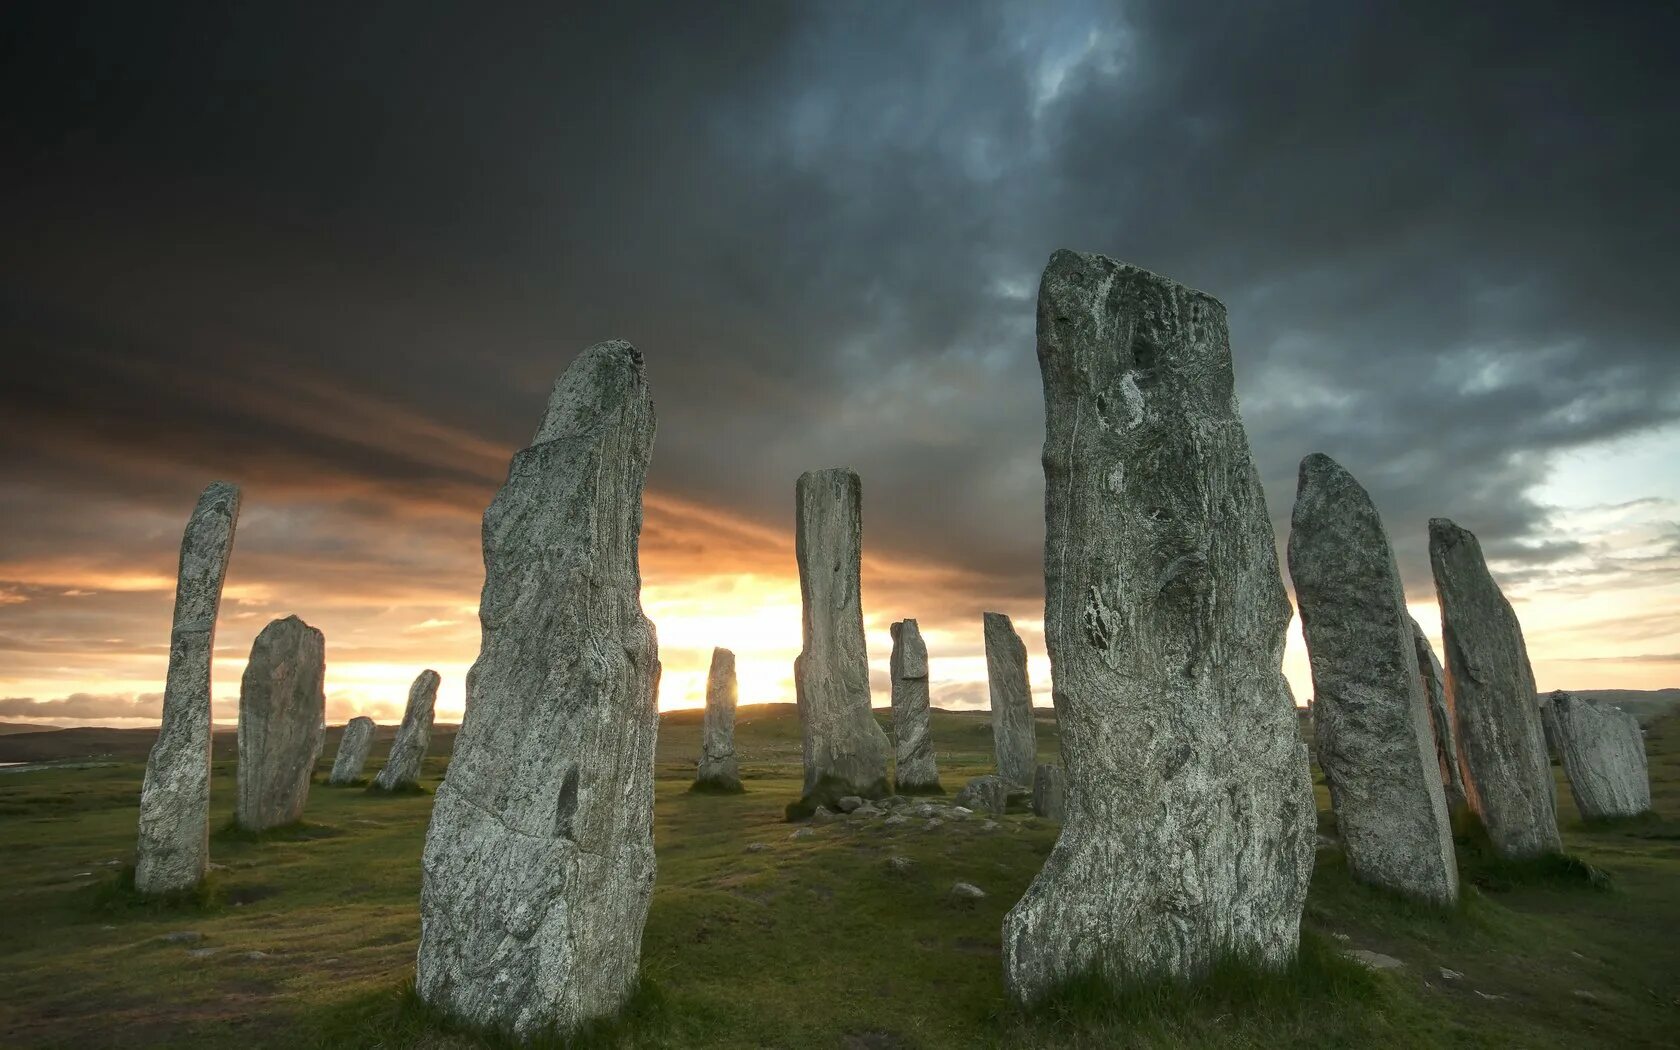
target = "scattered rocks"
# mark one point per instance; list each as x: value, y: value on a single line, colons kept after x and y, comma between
x: 1373, y: 960
x: 849, y: 803
x: 1602, y: 750
x: 865, y: 812
x: 895, y: 820
x: 353, y: 750
x: 823, y: 816
x: 965, y: 894
x: 282, y: 712
x: 959, y: 813
x: 933, y: 823
x: 408, y: 750
x: 1049, y: 797
x: 718, y: 770
x: 1014, y: 734
x: 915, y: 769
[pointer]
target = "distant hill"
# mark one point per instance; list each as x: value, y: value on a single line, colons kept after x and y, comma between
x: 9, y: 728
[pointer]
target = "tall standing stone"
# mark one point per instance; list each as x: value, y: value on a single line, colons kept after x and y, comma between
x: 539, y: 863
x: 1014, y: 737
x: 408, y: 750
x: 1371, y: 720
x: 915, y: 771
x: 1490, y: 690
x: 353, y: 748
x: 173, y: 852
x: 718, y: 769
x: 282, y: 712
x: 845, y: 749
x: 1603, y: 753
x: 1440, y: 718
x: 1189, y: 834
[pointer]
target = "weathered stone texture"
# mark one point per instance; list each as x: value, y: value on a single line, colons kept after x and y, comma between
x: 282, y: 712
x: 173, y: 852
x: 1603, y: 754
x: 1049, y: 792
x: 1490, y: 691
x: 408, y: 750
x: 718, y: 769
x: 1370, y: 718
x: 985, y: 794
x: 539, y: 862
x: 1189, y: 833
x: 916, y: 770
x: 1440, y: 718
x: 353, y: 748
x: 1014, y: 736
x: 845, y: 749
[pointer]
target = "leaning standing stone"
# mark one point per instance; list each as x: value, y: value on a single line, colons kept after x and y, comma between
x: 1049, y: 792
x: 845, y: 748
x: 408, y: 750
x: 353, y: 749
x: 173, y: 852
x: 539, y: 862
x: 1370, y: 718
x: 1603, y: 754
x: 1490, y: 690
x: 718, y: 770
x: 1014, y: 737
x: 1189, y: 834
x: 1440, y: 718
x: 915, y: 772
x: 282, y: 708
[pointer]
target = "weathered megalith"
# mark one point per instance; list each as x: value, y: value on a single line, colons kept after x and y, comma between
x: 1014, y: 737
x: 1490, y: 691
x: 845, y: 748
x: 1049, y: 791
x: 539, y: 863
x: 718, y: 770
x: 915, y: 772
x: 282, y: 712
x: 353, y: 749
x: 173, y: 852
x: 1189, y: 832
x: 1440, y: 718
x: 1370, y: 718
x: 408, y: 750
x: 1603, y: 753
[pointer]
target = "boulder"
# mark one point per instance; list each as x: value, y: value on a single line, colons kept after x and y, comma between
x: 1014, y: 735
x: 1440, y: 718
x: 985, y: 794
x: 1602, y: 750
x: 1049, y: 798
x: 718, y: 770
x: 408, y: 750
x: 282, y: 713
x: 353, y: 749
x: 916, y: 770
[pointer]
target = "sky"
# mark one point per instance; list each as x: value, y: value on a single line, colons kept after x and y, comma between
x: 337, y: 253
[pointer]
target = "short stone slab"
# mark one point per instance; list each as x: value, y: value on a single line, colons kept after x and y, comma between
x: 1049, y: 792
x: 282, y: 708
x: 1373, y: 960
x: 353, y: 750
x: 985, y: 794
x: 1602, y: 750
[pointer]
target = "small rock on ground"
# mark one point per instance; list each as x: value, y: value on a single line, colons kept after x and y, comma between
x: 182, y: 937
x: 202, y: 953
x: 965, y: 893
x: 900, y: 865
x: 1373, y: 960
x: 933, y: 823
x: 801, y: 833
x: 757, y: 847
x: 849, y: 803
x: 1450, y: 975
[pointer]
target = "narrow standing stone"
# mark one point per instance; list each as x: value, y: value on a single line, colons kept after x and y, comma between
x: 915, y: 771
x: 1189, y: 834
x: 1603, y: 754
x: 718, y: 770
x: 282, y: 711
x: 1371, y: 720
x: 1440, y: 718
x: 408, y: 750
x: 1014, y: 736
x: 173, y: 852
x: 1490, y: 690
x: 845, y: 748
x: 353, y: 749
x: 539, y: 863
x: 1049, y: 792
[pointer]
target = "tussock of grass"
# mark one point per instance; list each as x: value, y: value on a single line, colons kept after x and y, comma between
x: 118, y: 894
x: 297, y: 831
x: 1481, y: 865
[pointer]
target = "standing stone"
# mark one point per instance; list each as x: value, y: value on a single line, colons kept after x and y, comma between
x: 282, y: 711
x: 539, y: 863
x: 1049, y: 792
x: 718, y: 770
x: 1014, y: 737
x: 173, y: 852
x: 408, y: 750
x: 1371, y: 722
x: 845, y: 748
x: 1603, y: 754
x: 1440, y: 718
x: 353, y: 749
x: 1490, y: 691
x: 916, y: 771
x: 1189, y: 833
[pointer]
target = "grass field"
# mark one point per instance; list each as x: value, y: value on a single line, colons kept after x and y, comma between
x: 309, y: 936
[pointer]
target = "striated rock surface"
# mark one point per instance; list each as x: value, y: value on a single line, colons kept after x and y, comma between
x: 408, y: 750
x: 1189, y: 832
x: 718, y: 770
x: 1049, y: 792
x: 985, y: 794
x: 1370, y: 717
x: 173, y: 852
x: 539, y: 863
x: 353, y: 749
x: 1013, y: 734
x: 1440, y: 718
x: 1490, y: 691
x: 845, y: 749
x: 916, y: 771
x: 1603, y: 754
x: 282, y: 723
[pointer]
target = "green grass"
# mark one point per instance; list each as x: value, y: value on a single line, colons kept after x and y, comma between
x: 811, y: 942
